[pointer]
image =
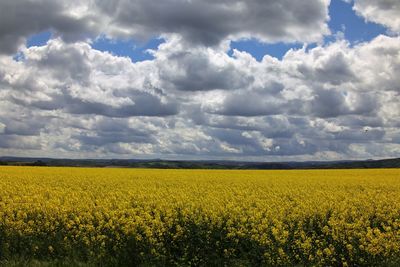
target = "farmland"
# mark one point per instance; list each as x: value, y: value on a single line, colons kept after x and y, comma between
x: 134, y: 217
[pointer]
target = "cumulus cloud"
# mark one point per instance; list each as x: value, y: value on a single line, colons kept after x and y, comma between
x: 385, y: 12
x: 70, y: 77
x: 186, y: 68
x: 19, y: 19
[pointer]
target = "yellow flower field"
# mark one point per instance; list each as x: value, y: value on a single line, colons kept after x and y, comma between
x: 131, y: 217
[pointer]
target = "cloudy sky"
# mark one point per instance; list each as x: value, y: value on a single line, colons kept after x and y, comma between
x: 200, y: 79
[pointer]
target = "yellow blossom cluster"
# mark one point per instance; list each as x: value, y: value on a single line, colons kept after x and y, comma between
x: 133, y: 217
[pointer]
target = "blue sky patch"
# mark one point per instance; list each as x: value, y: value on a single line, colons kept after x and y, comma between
x: 128, y: 48
x: 39, y: 39
x: 355, y: 28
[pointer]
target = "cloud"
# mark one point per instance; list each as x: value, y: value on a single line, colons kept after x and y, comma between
x: 210, y: 22
x: 70, y: 77
x: 18, y: 142
x: 145, y: 104
x: 248, y: 104
x: 385, y: 12
x: 197, y: 21
x: 377, y: 64
x: 332, y: 101
x: 326, y: 81
x: 111, y: 131
x: 2, y: 128
x: 20, y: 19
x: 186, y: 68
x: 23, y: 127
x: 329, y: 68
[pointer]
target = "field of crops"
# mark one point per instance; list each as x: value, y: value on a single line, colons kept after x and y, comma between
x: 134, y: 217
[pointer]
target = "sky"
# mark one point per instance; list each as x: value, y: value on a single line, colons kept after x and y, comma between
x: 254, y: 80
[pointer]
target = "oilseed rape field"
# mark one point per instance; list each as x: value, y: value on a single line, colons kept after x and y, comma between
x: 148, y: 217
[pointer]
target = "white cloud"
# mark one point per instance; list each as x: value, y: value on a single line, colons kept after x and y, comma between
x: 80, y: 80
x: 385, y: 12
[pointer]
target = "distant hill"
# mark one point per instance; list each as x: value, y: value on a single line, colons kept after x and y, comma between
x: 217, y: 164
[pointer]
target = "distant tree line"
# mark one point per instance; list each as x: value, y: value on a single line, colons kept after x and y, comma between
x: 176, y: 164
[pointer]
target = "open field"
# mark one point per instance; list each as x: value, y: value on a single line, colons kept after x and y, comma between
x: 149, y: 217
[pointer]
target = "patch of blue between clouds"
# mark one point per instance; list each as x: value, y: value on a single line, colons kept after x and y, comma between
x: 39, y: 39
x: 355, y: 28
x: 128, y: 48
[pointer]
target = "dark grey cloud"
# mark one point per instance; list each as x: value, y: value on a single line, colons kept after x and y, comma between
x: 268, y: 126
x: 195, y: 71
x: 22, y: 127
x: 19, y: 19
x: 18, y: 122
x: 360, y: 135
x: 145, y: 104
x: 66, y: 63
x: 233, y: 137
x: 333, y: 69
x: 395, y: 138
x: 334, y: 103
x: 111, y: 131
x: 281, y: 127
x: 329, y: 103
x: 286, y: 147
x: 255, y: 145
x: 19, y: 142
x: 249, y: 104
x: 197, y: 21
x: 361, y: 121
x: 104, y: 138
x: 209, y: 22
